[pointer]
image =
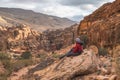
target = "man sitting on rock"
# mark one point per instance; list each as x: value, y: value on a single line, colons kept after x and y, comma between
x: 75, y: 51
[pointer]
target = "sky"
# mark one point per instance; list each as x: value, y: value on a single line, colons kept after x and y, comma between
x: 72, y: 9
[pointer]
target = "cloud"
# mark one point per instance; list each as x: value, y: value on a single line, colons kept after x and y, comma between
x: 72, y: 9
x: 82, y: 2
x: 32, y: 1
x: 78, y: 2
x: 62, y: 11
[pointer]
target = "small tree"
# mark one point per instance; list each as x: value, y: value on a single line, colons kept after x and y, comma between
x: 26, y: 55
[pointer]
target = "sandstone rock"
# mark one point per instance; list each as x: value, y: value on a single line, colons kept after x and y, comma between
x: 102, y: 78
x: 2, y: 69
x: 22, y: 36
x: 116, y: 52
x: 113, y: 77
x: 69, y: 68
x: 102, y: 26
x: 94, y: 48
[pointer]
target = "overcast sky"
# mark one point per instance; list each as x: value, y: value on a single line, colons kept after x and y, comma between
x: 72, y: 9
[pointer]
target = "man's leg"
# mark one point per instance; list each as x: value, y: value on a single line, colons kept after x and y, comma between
x: 72, y: 54
x: 67, y: 54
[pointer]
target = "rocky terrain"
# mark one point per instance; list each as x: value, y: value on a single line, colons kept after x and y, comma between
x: 102, y: 27
x: 87, y: 66
x: 58, y: 39
x: 64, y: 69
x: 37, y: 21
x: 22, y: 37
x: 99, y: 61
x: 18, y: 37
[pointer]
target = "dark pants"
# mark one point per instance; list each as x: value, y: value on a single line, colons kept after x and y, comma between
x: 70, y: 53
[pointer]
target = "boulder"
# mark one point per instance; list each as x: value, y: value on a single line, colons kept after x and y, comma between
x: 71, y: 67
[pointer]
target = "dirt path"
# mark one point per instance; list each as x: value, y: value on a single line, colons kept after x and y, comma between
x: 23, y: 71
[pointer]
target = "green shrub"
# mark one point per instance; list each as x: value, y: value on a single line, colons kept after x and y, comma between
x: 102, y: 51
x: 84, y: 38
x: 4, y: 56
x: 5, y: 59
x: 26, y: 55
x: 7, y: 65
x: 21, y: 63
x: 11, y: 66
x: 55, y: 55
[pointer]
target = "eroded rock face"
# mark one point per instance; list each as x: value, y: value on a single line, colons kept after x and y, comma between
x: 102, y: 27
x: 20, y: 36
x: 55, y: 40
x: 69, y: 68
x: 23, y: 37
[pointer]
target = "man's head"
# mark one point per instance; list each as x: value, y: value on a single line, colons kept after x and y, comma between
x: 78, y: 40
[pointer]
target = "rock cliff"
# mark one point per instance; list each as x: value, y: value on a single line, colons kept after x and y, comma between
x: 102, y: 27
x: 18, y: 37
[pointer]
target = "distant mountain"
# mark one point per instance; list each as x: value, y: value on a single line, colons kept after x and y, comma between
x: 38, y: 21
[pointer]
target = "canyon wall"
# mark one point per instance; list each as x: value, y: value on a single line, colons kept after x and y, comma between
x: 102, y: 27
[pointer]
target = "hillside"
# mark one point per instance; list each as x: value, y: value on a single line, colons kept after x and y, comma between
x: 37, y: 21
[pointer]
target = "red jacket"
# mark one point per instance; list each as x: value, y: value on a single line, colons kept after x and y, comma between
x: 78, y: 48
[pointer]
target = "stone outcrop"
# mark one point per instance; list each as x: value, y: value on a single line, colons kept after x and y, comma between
x: 102, y: 27
x: 18, y: 37
x: 23, y: 37
x: 61, y: 38
x: 69, y: 68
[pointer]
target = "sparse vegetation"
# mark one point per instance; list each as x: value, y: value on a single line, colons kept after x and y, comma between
x: 55, y: 55
x: 4, y: 56
x: 21, y: 63
x: 7, y: 65
x: 84, y: 38
x: 102, y: 51
x: 15, y: 33
x: 11, y: 65
x: 26, y: 55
